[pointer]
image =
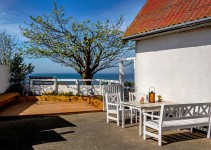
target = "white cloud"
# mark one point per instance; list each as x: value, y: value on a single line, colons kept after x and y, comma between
x: 9, y: 21
x: 14, y: 30
x: 4, y: 16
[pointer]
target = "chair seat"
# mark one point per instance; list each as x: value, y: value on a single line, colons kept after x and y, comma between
x: 176, y: 123
x: 113, y: 110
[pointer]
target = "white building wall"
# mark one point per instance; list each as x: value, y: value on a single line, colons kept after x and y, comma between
x: 4, y: 78
x: 177, y: 65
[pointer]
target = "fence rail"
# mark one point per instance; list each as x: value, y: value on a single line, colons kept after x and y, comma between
x: 39, y: 86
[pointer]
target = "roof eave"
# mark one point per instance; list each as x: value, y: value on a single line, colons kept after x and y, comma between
x: 195, y: 23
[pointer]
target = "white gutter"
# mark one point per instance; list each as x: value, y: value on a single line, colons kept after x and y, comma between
x: 199, y: 22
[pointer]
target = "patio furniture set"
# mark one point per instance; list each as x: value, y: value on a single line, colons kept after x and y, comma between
x: 159, y: 116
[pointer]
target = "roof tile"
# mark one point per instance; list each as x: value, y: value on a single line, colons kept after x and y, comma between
x: 158, y: 14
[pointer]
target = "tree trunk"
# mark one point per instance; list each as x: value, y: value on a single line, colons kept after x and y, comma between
x: 87, y: 75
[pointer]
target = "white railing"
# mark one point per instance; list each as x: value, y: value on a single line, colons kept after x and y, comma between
x: 69, y: 85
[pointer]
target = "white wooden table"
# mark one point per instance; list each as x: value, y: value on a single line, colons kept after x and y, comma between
x: 141, y: 108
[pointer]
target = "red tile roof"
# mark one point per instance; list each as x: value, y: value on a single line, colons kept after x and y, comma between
x: 157, y: 14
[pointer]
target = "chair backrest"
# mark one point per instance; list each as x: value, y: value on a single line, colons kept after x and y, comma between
x: 113, y: 98
x: 114, y: 88
x: 185, y: 111
x: 135, y: 96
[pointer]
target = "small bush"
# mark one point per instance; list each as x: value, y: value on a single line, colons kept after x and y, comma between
x: 56, y: 93
x: 128, y: 84
x: 77, y: 94
x: 68, y: 93
x: 99, y: 97
x: 46, y: 93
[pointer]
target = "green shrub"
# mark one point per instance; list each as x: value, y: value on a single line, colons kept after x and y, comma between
x: 68, y: 93
x: 99, y: 97
x: 128, y: 83
x: 56, y: 93
x: 77, y: 94
x: 19, y: 71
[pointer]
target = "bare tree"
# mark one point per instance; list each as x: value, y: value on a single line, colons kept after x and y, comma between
x: 87, y: 47
x: 8, y: 46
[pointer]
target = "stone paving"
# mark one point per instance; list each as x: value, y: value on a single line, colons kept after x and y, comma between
x: 87, y: 131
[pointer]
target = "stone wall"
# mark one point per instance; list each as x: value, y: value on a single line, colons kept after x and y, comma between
x: 4, y: 78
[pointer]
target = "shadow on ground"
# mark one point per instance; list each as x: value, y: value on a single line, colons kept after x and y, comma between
x: 182, y: 136
x: 24, y: 132
x: 16, y: 108
x: 185, y: 136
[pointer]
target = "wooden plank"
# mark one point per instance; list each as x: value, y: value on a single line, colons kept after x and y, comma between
x: 151, y: 134
x: 6, y: 96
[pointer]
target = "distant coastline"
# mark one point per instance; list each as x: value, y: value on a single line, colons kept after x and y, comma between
x: 109, y: 76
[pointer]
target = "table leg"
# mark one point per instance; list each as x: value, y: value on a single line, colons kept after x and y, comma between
x: 123, y: 116
x: 140, y: 122
x: 131, y: 115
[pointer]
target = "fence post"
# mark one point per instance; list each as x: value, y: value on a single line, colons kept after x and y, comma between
x: 123, y: 92
x: 100, y: 83
x: 31, y: 89
x: 78, y: 87
x: 121, y: 72
x: 56, y: 85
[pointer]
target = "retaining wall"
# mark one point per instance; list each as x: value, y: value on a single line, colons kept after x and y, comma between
x: 4, y: 78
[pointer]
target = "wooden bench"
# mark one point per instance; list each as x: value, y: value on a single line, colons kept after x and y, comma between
x: 178, y: 116
x: 8, y: 98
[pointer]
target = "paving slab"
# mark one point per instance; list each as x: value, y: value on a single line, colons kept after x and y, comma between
x: 88, y: 131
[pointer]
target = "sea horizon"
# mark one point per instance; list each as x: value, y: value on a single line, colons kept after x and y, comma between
x: 129, y: 77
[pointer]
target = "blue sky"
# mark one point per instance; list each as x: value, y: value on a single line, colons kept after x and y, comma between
x: 14, y: 13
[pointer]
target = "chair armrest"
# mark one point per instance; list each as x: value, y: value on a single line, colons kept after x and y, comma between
x: 152, y: 116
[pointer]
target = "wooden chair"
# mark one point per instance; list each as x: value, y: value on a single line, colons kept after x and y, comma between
x: 135, y: 96
x: 114, y: 88
x: 113, y: 107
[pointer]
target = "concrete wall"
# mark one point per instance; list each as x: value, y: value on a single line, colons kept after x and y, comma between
x: 39, y: 86
x: 177, y: 65
x: 4, y: 78
x: 39, y: 89
x: 83, y: 89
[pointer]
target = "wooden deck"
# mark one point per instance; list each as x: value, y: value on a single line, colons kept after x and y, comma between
x: 47, y: 108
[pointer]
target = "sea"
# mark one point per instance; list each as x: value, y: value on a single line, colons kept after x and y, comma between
x: 129, y: 77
